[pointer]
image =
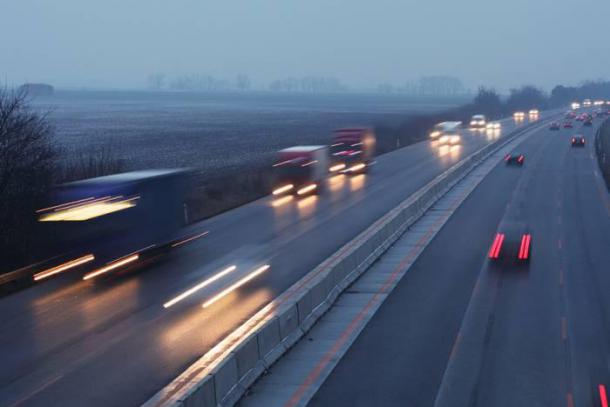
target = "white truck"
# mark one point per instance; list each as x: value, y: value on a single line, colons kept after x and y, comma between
x: 300, y: 170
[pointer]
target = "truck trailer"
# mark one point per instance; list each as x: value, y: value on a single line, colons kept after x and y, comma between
x: 115, y: 217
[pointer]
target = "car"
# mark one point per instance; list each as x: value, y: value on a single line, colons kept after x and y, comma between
x: 578, y: 141
x: 478, y: 122
x: 587, y: 123
x: 512, y: 244
x: 568, y: 125
x: 580, y: 118
x: 445, y: 128
x: 519, y: 115
x: 555, y: 126
x: 533, y: 114
x: 514, y: 159
x: 493, y: 126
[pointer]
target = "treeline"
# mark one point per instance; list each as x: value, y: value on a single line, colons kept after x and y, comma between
x: 243, y: 83
x: 198, y: 83
x: 308, y: 84
x: 428, y: 86
x: 491, y: 104
x: 563, y: 95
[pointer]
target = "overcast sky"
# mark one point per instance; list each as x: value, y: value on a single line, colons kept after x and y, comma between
x: 118, y: 43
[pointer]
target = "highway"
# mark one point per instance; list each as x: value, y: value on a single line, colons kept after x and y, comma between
x: 459, y: 330
x: 110, y: 342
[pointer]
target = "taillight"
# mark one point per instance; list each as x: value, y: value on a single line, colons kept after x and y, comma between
x: 507, y: 157
x: 603, y: 397
x: 524, y: 249
x: 494, y: 251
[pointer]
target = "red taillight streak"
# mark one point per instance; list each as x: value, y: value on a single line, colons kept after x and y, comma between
x: 520, y: 158
x: 524, y: 250
x: 494, y: 251
x: 507, y: 157
x: 602, y: 395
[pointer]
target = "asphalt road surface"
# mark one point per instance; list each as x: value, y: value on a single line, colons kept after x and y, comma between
x: 460, y: 330
x: 109, y: 341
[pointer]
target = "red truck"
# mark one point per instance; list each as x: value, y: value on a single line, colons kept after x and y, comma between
x: 300, y: 170
x: 352, y: 150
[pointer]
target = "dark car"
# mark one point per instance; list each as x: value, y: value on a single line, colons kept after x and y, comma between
x: 578, y: 141
x: 512, y: 244
x: 514, y: 159
x: 555, y: 126
x: 568, y: 125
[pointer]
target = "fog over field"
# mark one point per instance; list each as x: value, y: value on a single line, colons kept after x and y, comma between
x: 118, y: 43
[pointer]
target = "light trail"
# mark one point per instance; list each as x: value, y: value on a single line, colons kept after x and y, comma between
x: 63, y: 267
x: 112, y: 266
x: 235, y: 286
x: 199, y: 286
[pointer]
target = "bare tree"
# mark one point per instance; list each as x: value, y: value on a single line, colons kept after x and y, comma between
x: 243, y: 82
x: 27, y: 163
x: 156, y: 81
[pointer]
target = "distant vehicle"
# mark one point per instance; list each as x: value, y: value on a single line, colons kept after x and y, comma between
x: 300, y: 170
x: 533, y: 114
x: 352, y: 150
x: 575, y: 105
x: 571, y: 115
x: 586, y: 102
x: 116, y: 219
x: 587, y: 122
x: 493, y: 126
x: 555, y: 126
x: 598, y: 102
x: 568, y: 125
x: 478, y: 122
x: 578, y: 141
x: 580, y: 117
x: 512, y: 244
x: 519, y: 116
x: 514, y: 159
x: 447, y: 133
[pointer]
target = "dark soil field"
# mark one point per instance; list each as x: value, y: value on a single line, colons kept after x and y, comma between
x: 214, y: 133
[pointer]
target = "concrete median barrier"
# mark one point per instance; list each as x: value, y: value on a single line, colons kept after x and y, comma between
x: 239, y: 359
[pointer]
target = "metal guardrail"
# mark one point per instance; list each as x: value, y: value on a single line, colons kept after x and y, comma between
x: 223, y: 375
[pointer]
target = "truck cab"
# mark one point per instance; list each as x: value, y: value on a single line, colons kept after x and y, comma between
x: 352, y: 150
x: 300, y: 170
